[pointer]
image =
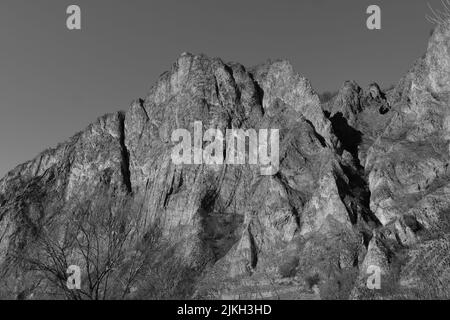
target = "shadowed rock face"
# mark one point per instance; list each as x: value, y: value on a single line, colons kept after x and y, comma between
x: 362, y: 181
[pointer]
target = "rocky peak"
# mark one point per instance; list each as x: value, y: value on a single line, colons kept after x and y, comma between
x: 438, y: 59
x: 348, y: 102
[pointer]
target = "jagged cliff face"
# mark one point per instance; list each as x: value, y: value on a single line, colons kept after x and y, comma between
x: 362, y: 182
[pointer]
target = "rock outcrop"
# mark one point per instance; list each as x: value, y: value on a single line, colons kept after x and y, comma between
x: 362, y: 182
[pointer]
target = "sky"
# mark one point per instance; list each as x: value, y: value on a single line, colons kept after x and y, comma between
x: 54, y: 82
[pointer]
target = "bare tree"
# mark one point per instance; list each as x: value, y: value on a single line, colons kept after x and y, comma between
x: 440, y: 16
x: 103, y: 237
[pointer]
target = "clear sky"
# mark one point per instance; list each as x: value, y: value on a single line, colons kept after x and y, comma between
x: 54, y: 82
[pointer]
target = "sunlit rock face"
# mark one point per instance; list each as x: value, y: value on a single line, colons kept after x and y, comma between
x: 437, y: 60
x: 362, y: 182
x: 408, y: 176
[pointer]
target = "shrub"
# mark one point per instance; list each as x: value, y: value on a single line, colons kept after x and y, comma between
x: 311, y: 281
x: 289, y: 268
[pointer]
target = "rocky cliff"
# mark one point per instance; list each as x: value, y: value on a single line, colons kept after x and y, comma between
x: 363, y: 183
